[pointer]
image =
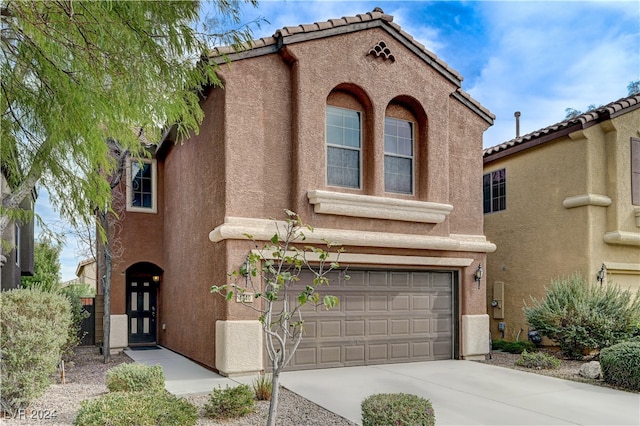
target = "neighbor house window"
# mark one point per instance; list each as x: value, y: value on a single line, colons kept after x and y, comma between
x: 635, y: 171
x: 141, y: 185
x: 494, y: 190
x: 343, y: 136
x: 398, y: 156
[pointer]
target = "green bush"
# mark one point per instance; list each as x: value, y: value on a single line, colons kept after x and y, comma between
x: 398, y: 409
x: 580, y: 316
x: 538, y: 360
x: 33, y: 327
x: 135, y: 377
x: 136, y: 408
x: 621, y: 365
x: 230, y: 402
x: 263, y: 387
x: 516, y: 347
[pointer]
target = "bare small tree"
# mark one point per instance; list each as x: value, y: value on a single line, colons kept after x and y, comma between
x: 272, y: 273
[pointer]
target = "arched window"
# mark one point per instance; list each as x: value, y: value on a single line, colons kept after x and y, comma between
x: 344, y: 147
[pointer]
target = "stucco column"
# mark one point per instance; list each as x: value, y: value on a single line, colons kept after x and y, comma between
x: 239, y: 347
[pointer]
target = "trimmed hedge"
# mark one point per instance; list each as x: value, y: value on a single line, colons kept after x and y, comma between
x: 34, y: 326
x: 136, y: 408
x: 231, y: 402
x: 135, y: 378
x: 621, y: 365
x: 398, y: 409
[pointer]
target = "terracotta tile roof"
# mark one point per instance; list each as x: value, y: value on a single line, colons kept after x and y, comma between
x: 307, y: 29
x: 581, y: 121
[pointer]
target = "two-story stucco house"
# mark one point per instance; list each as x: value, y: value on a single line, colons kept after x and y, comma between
x: 367, y: 135
x: 561, y: 200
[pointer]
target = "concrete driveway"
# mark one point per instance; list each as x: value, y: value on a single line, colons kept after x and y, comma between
x: 469, y: 393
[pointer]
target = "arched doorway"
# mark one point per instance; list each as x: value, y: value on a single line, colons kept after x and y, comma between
x: 143, y: 280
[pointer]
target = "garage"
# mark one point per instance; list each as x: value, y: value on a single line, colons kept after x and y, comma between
x: 383, y: 317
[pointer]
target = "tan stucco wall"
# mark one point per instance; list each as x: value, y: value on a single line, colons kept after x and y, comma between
x: 562, y: 198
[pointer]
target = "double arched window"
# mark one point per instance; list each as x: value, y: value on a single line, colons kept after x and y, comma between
x: 352, y: 152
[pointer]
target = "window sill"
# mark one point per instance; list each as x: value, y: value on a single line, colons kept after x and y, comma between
x: 354, y: 205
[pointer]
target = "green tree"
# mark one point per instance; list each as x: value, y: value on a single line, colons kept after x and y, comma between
x: 633, y: 88
x: 74, y: 74
x: 272, y: 274
x: 46, y: 258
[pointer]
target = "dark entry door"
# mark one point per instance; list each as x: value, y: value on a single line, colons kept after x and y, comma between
x: 141, y: 308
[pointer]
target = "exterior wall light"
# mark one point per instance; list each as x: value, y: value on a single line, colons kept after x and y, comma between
x: 601, y: 274
x: 156, y: 278
x: 478, y: 274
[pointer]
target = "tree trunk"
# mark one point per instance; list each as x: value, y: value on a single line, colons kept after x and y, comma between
x: 275, y: 391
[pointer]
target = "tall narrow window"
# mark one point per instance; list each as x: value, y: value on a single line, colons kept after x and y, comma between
x: 398, y: 156
x: 494, y: 190
x: 141, y: 185
x: 17, y: 242
x: 343, y: 137
x: 635, y: 171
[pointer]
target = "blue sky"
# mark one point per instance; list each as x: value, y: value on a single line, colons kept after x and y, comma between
x: 537, y: 57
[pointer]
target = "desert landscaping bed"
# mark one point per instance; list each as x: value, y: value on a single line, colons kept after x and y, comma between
x: 85, y: 378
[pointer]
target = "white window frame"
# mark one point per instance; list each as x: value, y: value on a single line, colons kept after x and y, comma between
x: 359, y: 149
x: 154, y: 187
x: 412, y: 157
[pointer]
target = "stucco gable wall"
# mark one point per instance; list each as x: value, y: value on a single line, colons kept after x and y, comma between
x: 257, y: 132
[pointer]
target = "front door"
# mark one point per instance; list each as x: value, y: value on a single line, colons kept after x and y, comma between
x: 141, y: 309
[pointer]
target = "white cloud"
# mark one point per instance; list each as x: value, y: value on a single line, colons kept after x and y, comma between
x: 546, y: 57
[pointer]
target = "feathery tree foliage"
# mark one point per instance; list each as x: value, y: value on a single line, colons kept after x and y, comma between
x: 46, y: 264
x: 76, y: 73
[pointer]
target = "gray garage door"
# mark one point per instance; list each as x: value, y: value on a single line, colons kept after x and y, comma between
x: 383, y: 317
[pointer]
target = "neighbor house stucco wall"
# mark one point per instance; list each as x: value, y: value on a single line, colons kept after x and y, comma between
x: 563, y: 197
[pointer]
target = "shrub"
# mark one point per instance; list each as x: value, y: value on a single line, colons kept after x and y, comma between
x: 399, y: 409
x: 136, y: 408
x: 33, y: 326
x: 516, y: 347
x: 135, y: 377
x: 621, y: 365
x: 580, y: 316
x: 230, y: 402
x: 538, y: 360
x: 262, y: 387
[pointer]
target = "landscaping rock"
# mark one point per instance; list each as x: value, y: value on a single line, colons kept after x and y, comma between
x: 591, y: 370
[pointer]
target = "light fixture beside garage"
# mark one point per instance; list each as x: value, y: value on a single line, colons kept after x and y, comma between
x: 478, y: 274
x: 601, y: 274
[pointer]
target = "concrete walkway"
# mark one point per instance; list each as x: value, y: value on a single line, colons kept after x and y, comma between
x: 183, y: 376
x: 462, y: 392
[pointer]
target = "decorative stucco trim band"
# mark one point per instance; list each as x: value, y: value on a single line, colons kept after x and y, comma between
x: 338, y: 203
x: 586, y: 200
x: 236, y: 228
x: 623, y: 238
x: 628, y: 268
x: 380, y: 259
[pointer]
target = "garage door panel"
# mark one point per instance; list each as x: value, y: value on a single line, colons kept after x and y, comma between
x: 400, y: 279
x: 382, y: 317
x: 354, y: 303
x: 399, y: 352
x: 379, y: 327
x: 354, y: 328
x: 441, y: 303
x: 378, y: 303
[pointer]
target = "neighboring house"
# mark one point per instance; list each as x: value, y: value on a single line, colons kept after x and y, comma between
x: 368, y: 136
x: 17, y: 243
x: 561, y: 200
x: 87, y: 274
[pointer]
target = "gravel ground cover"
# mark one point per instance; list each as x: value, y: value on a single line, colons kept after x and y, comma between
x: 85, y: 378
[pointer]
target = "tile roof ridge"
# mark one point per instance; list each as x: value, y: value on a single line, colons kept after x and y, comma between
x: 585, y: 117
